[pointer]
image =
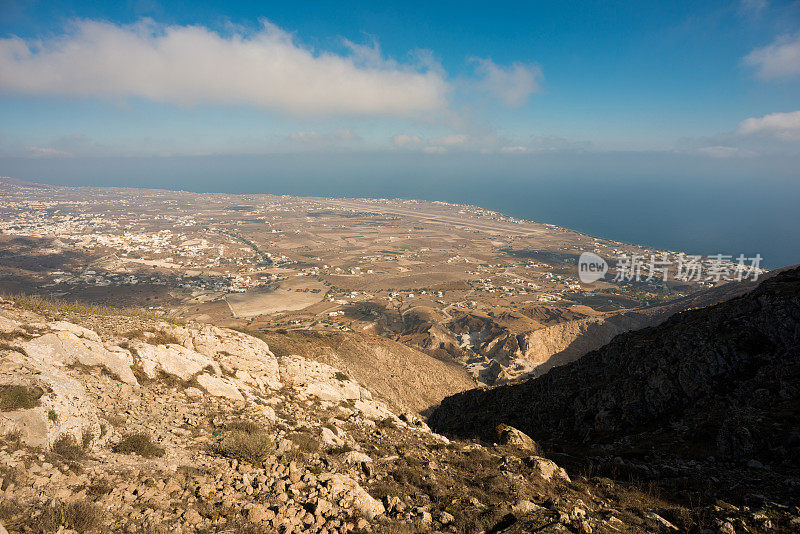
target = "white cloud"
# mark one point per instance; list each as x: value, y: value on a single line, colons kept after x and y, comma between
x: 488, y: 143
x: 777, y: 60
x: 723, y: 151
x: 305, y: 137
x: 451, y: 140
x: 404, y: 140
x: 513, y: 85
x: 773, y: 134
x: 191, y: 65
x: 552, y: 143
x: 314, y: 137
x: 46, y: 152
x: 515, y: 150
x: 546, y: 144
x: 784, y: 126
x: 345, y: 134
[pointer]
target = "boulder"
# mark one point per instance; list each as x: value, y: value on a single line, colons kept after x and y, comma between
x: 329, y: 438
x: 508, y: 435
x: 220, y: 387
x: 66, y: 348
x: 547, y: 469
x: 319, y: 380
x: 8, y: 325
x: 239, y: 352
x: 363, y: 502
x: 355, y: 457
x: 80, y: 331
x: 64, y: 408
x: 172, y: 359
x: 374, y: 410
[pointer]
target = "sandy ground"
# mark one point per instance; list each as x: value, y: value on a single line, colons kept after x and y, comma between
x: 288, y: 297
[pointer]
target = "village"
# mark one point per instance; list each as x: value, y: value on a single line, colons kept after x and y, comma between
x: 293, y: 262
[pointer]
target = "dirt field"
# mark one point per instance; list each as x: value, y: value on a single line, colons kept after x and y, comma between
x: 290, y: 296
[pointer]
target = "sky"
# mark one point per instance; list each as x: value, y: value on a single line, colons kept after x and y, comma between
x: 154, y: 79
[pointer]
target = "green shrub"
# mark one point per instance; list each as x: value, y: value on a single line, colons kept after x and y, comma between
x: 87, y: 437
x: 386, y: 423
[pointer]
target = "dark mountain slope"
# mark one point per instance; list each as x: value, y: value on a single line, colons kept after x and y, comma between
x: 715, y: 385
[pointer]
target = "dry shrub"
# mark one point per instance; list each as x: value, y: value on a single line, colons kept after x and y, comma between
x: 160, y: 337
x: 305, y: 441
x: 82, y: 516
x: 68, y: 448
x: 9, y: 509
x: 11, y: 440
x: 245, y: 446
x: 245, y: 426
x: 153, y: 336
x: 138, y: 443
x: 16, y: 397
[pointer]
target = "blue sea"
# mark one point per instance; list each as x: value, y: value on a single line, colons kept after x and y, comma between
x: 693, y: 205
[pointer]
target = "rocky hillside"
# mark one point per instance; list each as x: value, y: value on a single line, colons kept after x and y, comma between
x: 710, y: 394
x: 406, y: 379
x: 115, y: 421
x: 122, y: 422
x: 525, y: 343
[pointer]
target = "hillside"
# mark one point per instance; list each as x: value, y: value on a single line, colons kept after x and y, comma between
x: 713, y: 391
x: 525, y: 343
x: 407, y: 379
x: 114, y: 420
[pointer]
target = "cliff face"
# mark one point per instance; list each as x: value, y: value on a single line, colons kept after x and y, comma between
x: 722, y: 381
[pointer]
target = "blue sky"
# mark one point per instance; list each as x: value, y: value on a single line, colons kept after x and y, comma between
x: 149, y: 78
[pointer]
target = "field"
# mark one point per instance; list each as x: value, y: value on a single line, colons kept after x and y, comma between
x: 287, y: 297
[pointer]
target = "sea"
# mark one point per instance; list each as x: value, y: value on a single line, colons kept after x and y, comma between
x: 694, y: 206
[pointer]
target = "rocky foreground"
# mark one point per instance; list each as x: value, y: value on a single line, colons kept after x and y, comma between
x: 116, y: 422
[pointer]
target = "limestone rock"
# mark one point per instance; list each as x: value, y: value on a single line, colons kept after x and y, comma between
x: 219, y: 387
x: 319, y: 380
x: 80, y: 331
x: 66, y: 348
x: 363, y: 502
x: 355, y: 457
x: 172, y: 359
x: 328, y: 437
x: 508, y: 435
x: 547, y: 469
x: 238, y: 351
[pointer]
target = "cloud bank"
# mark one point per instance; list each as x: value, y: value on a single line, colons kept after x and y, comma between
x: 192, y: 65
x: 773, y: 134
x: 780, y: 59
x: 784, y: 126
